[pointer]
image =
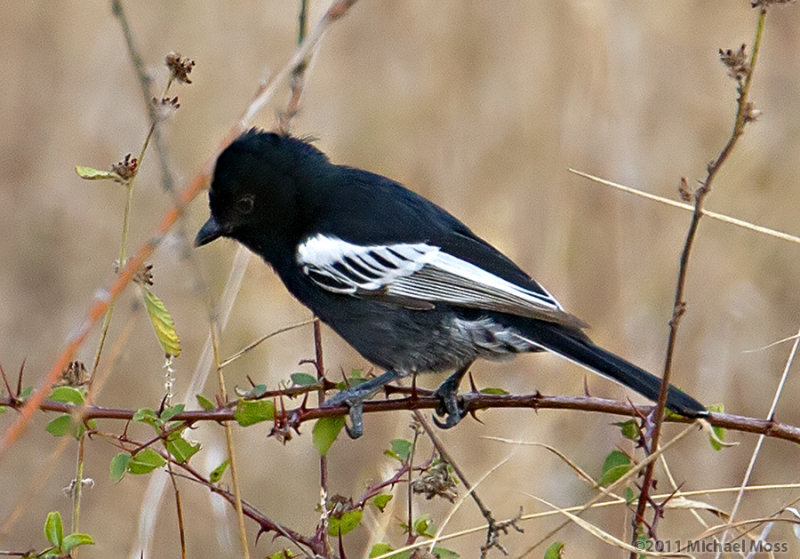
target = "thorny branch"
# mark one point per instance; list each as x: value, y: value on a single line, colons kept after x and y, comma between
x: 742, y: 71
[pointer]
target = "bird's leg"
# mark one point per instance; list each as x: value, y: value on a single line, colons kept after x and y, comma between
x: 448, y: 396
x: 355, y: 396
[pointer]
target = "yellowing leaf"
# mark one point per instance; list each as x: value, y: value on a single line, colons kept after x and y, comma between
x: 92, y: 174
x: 163, y: 324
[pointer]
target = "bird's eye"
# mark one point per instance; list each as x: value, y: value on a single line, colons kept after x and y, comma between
x: 244, y: 205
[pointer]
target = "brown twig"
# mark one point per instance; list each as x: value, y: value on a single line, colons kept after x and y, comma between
x: 471, y: 402
x: 744, y: 114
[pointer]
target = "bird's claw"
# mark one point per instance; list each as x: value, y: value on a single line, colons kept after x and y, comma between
x: 354, y: 400
x: 448, y: 407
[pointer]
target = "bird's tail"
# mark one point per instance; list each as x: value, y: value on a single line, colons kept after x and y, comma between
x: 585, y: 353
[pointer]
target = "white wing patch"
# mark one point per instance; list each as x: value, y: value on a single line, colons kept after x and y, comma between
x: 420, y: 274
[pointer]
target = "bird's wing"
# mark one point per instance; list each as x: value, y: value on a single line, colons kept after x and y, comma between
x: 418, y: 276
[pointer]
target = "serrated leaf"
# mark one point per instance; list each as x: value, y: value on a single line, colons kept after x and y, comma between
x: 118, y: 466
x: 67, y: 395
x: 615, y: 466
x: 555, y: 551
x: 163, y: 325
x: 629, y: 429
x: 344, y: 523
x: 205, y: 403
x: 54, y: 529
x: 172, y: 411
x: 181, y: 449
x: 73, y: 540
x: 217, y: 473
x: 325, y: 431
x: 494, y: 391
x: 380, y: 501
x: 92, y: 174
x: 145, y: 461
x: 249, y: 412
x: 303, y: 379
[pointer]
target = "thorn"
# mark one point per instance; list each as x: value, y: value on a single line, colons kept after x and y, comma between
x: 19, y: 378
x: 472, y: 386
x: 5, y: 381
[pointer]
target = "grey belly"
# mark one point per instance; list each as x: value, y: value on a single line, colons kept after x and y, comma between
x: 421, y: 341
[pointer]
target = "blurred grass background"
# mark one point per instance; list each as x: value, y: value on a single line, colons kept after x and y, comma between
x: 480, y: 106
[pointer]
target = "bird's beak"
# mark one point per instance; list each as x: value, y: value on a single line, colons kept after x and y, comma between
x: 210, y: 231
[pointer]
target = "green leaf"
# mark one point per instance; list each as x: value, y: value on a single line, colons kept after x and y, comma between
x: 205, y: 403
x: 325, y: 431
x: 719, y: 432
x: 443, y: 553
x: 615, y: 466
x: 163, y: 325
x: 180, y: 448
x: 495, y: 391
x: 344, y: 523
x: 25, y: 393
x: 148, y: 416
x: 92, y: 174
x: 67, y: 394
x: 381, y: 500
x: 555, y: 551
x: 118, y: 466
x: 303, y: 379
x: 629, y: 429
x: 171, y: 412
x: 629, y: 495
x: 145, y: 461
x: 75, y: 539
x: 59, y: 426
x: 256, y: 392
x: 53, y: 529
x: 249, y: 412
x: 380, y: 549
x: 216, y: 473
x: 424, y: 526
x: 400, y: 450
x: 283, y: 554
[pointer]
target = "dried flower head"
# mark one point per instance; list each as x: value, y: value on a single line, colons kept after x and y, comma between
x: 736, y: 62
x: 436, y: 482
x: 144, y: 275
x: 683, y: 190
x: 126, y: 169
x: 74, y: 375
x: 165, y: 107
x: 179, y: 67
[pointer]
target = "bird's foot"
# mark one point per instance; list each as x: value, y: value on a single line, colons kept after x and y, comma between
x: 354, y: 398
x: 448, y: 402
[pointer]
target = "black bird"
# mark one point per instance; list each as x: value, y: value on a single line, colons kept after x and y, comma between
x: 400, y: 279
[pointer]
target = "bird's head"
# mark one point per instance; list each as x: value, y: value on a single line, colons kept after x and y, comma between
x: 258, y: 181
